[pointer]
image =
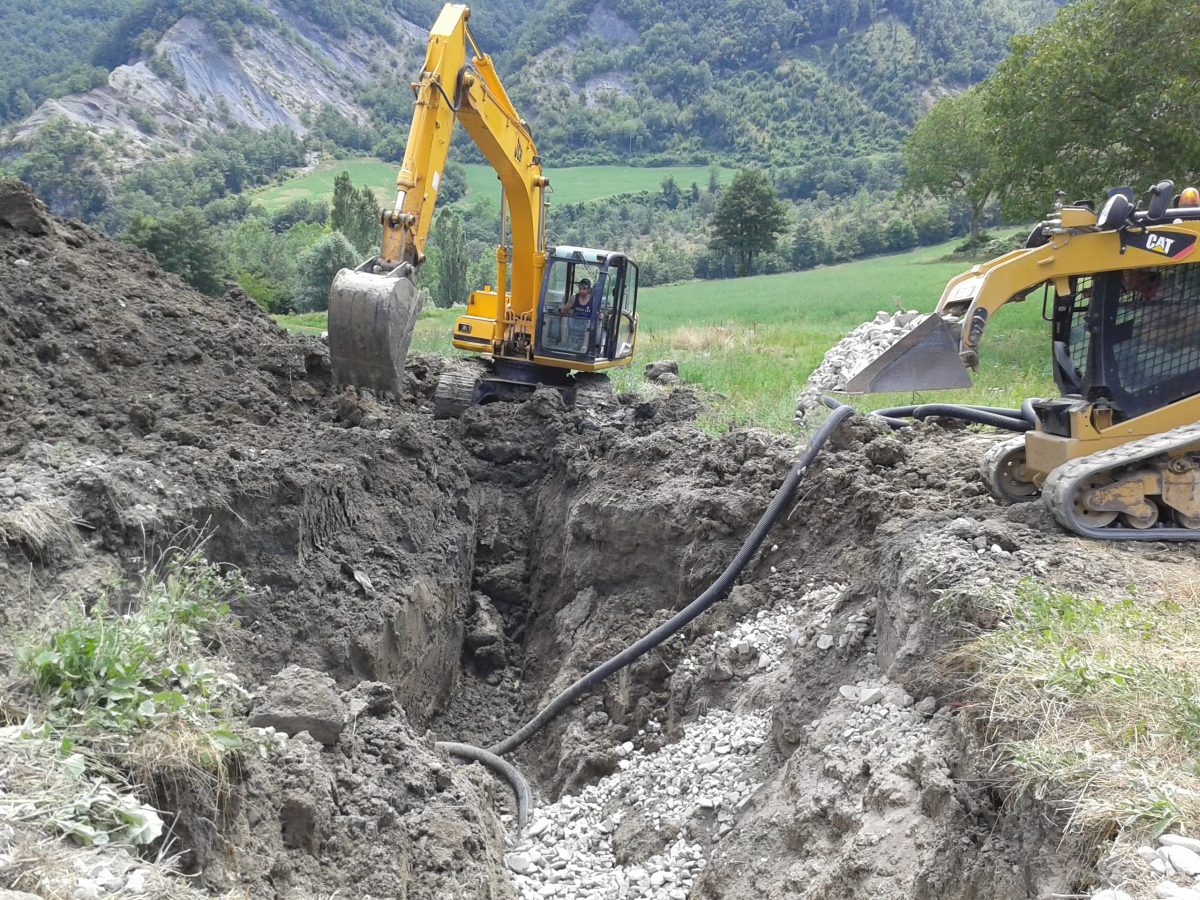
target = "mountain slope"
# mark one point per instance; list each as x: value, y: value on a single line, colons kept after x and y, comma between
x: 282, y: 69
x: 821, y: 91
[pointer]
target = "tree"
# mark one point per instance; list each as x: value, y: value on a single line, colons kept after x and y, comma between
x: 748, y: 220
x: 62, y: 163
x: 364, y: 224
x: 452, y: 260
x: 1103, y: 95
x: 454, y: 183
x: 317, y: 268
x: 184, y: 244
x: 669, y: 193
x: 355, y: 213
x: 951, y: 154
x: 342, y: 214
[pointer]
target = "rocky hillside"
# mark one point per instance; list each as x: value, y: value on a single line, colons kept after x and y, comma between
x: 282, y: 71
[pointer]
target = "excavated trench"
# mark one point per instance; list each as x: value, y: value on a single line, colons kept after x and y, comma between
x: 416, y: 579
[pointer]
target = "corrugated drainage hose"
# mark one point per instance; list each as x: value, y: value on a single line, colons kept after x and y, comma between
x: 778, y: 505
x: 504, y: 769
x: 1004, y: 418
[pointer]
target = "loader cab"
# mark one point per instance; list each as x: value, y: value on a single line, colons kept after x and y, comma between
x: 1130, y: 338
x: 587, y: 314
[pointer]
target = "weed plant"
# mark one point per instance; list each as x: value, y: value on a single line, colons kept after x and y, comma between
x: 129, y: 687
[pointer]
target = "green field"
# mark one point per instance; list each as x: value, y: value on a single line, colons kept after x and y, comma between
x: 754, y: 341
x: 570, y: 185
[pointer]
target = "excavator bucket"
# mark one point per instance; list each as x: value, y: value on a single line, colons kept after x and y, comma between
x: 371, y: 320
x: 925, y: 359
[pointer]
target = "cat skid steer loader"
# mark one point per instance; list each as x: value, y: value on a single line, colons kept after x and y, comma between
x: 1117, y: 455
x: 552, y: 313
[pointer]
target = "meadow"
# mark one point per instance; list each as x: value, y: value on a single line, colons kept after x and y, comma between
x: 751, y: 343
x: 567, y: 185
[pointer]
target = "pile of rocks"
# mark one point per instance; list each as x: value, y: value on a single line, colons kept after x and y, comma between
x: 690, y: 788
x: 760, y: 643
x: 664, y: 372
x: 853, y: 353
x: 1176, y: 860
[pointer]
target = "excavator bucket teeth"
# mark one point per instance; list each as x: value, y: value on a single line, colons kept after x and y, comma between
x: 925, y: 359
x: 371, y: 320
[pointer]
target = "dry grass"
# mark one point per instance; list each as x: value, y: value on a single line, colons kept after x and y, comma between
x: 45, y: 528
x: 1094, y: 706
x: 712, y: 338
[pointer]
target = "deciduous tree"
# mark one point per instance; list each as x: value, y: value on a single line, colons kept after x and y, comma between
x: 452, y: 260
x: 317, y: 268
x: 1103, y: 95
x: 952, y: 155
x: 182, y: 243
x: 748, y: 220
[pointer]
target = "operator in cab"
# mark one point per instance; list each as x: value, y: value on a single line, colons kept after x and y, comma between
x: 579, y: 310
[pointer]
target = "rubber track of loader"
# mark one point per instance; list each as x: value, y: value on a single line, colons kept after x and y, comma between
x: 1063, y: 482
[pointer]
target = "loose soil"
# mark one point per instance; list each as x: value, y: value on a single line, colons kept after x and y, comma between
x: 451, y: 576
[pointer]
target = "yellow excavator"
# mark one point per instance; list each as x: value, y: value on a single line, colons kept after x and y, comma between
x: 1117, y: 455
x: 554, y: 315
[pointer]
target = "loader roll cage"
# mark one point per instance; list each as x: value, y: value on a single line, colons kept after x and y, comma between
x: 1138, y: 351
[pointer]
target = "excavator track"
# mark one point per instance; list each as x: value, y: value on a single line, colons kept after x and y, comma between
x: 455, y: 392
x: 1066, y: 489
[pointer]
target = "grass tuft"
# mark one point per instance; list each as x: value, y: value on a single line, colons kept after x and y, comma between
x: 129, y: 691
x: 1095, y: 706
x: 44, y: 528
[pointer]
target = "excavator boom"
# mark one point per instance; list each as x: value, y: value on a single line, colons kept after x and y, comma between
x: 372, y: 309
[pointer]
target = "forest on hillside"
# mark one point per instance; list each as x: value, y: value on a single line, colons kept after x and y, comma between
x: 822, y: 95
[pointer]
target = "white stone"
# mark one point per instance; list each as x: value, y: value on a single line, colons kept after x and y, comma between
x: 825, y: 641
x: 1183, y: 859
x: 519, y: 863
x: 870, y: 696
x: 136, y: 882
x: 538, y: 828
x: 1178, y: 840
x: 1169, y: 889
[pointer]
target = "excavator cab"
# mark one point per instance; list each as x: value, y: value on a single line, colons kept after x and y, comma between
x: 598, y: 329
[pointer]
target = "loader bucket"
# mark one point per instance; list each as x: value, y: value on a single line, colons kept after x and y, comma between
x: 371, y: 319
x: 925, y: 359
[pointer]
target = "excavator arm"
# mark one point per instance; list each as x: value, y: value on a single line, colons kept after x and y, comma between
x: 457, y: 87
x: 373, y: 309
